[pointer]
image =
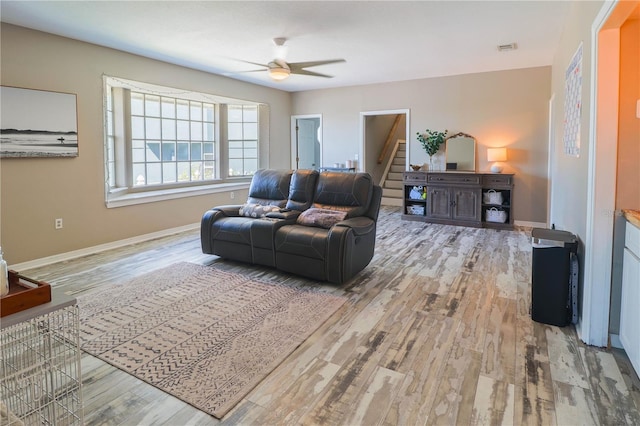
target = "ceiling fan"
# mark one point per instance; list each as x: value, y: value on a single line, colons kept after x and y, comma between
x: 278, y: 69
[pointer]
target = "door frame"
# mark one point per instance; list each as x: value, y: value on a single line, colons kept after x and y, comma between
x: 294, y: 134
x: 363, y: 116
x: 551, y: 159
x: 593, y: 326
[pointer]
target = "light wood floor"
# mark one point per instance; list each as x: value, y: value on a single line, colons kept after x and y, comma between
x: 435, y: 331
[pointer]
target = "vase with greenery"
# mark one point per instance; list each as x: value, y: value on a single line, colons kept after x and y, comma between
x: 431, y: 141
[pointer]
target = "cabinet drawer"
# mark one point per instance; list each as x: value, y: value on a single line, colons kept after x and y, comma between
x: 414, y: 177
x: 494, y: 180
x: 632, y: 238
x: 455, y: 178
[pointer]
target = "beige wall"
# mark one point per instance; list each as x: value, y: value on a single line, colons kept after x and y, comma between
x: 569, y: 204
x: 505, y: 108
x: 36, y: 191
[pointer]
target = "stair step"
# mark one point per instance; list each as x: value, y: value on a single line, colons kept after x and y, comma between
x: 392, y: 193
x: 398, y: 161
x: 394, y: 176
x: 393, y: 184
x: 385, y: 201
x: 397, y: 169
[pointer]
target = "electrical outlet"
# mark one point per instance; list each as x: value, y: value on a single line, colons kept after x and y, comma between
x: 58, y: 223
x: 232, y: 195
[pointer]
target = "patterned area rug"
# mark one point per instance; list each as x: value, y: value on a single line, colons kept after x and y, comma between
x: 203, y: 335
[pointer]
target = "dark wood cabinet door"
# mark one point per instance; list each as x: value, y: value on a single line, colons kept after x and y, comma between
x: 438, y: 202
x: 465, y: 204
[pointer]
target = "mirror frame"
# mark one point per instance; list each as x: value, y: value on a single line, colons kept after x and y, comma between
x: 460, y: 135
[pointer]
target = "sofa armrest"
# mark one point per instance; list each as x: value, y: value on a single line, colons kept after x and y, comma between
x: 360, y: 225
x: 230, y: 210
x: 208, y: 219
x: 285, y: 214
x: 351, y: 244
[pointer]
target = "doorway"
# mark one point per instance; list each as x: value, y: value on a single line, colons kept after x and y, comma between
x: 372, y: 141
x: 306, y: 141
x: 593, y: 327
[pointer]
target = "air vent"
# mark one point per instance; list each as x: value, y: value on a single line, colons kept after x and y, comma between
x: 507, y: 47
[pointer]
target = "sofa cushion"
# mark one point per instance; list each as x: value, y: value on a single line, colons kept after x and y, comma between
x: 257, y: 210
x: 232, y: 229
x: 270, y: 187
x: 348, y: 192
x: 303, y: 185
x: 322, y: 218
x: 302, y: 241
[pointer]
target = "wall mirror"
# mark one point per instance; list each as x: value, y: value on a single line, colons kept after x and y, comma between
x: 461, y: 152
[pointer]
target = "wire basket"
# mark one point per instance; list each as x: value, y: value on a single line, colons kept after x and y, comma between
x: 492, y: 197
x: 496, y: 215
x: 40, y: 370
x: 415, y: 210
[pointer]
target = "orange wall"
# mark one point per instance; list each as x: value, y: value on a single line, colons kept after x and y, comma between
x: 628, y: 179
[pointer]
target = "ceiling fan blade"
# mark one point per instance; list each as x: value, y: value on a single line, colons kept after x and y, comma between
x: 255, y: 63
x: 301, y: 65
x: 260, y: 70
x: 311, y: 73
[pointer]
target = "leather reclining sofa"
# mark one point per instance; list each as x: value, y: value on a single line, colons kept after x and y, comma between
x: 318, y: 225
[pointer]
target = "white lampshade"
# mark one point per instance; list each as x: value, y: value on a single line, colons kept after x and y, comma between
x: 496, y: 155
x: 278, y: 73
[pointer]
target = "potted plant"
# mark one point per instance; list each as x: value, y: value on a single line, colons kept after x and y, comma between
x: 431, y: 141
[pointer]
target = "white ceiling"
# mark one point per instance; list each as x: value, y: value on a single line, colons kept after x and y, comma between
x: 381, y: 41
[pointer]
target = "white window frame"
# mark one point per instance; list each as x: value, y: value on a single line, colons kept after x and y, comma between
x: 120, y: 189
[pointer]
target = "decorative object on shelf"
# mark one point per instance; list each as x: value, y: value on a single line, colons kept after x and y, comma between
x: 24, y: 293
x: 496, y: 215
x: 495, y: 156
x: 431, y: 141
x: 415, y: 167
x: 4, y: 276
x: 417, y: 193
x: 460, y: 152
x: 492, y: 197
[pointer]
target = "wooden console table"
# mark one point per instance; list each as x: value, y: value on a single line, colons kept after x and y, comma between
x: 338, y: 169
x: 458, y: 198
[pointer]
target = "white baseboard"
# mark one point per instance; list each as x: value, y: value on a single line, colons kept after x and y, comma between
x: 529, y: 224
x: 99, y: 248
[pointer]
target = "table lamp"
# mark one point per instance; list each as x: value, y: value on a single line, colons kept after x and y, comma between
x: 495, y: 155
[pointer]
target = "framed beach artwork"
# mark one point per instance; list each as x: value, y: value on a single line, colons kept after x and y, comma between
x: 573, y: 105
x: 37, y: 123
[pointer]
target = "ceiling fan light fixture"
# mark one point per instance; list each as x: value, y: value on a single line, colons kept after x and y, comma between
x: 279, y: 73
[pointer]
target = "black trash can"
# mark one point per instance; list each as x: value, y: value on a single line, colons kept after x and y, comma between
x: 551, y: 276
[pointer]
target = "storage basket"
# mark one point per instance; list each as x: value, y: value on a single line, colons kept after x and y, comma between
x: 492, y: 197
x: 495, y: 215
x: 415, y: 210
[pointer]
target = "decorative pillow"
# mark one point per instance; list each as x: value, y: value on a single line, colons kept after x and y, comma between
x: 322, y: 218
x: 257, y: 210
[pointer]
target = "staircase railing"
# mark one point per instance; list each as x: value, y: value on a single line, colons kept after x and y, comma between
x: 389, y: 140
x: 390, y: 159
